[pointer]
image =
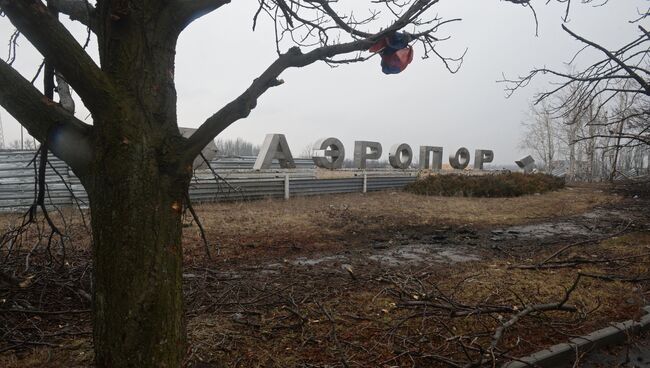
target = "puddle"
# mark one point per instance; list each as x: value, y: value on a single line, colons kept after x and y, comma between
x: 458, y: 257
x: 545, y: 230
x: 420, y: 253
x: 304, y: 261
x: 394, y: 255
x: 590, y: 223
x: 607, y: 214
x: 269, y: 272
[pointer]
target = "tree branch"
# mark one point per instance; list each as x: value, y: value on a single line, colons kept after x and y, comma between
x: 42, y: 117
x: 294, y: 58
x: 560, y: 306
x: 642, y: 82
x: 241, y: 106
x: 187, y: 11
x: 78, y: 10
x: 60, y: 48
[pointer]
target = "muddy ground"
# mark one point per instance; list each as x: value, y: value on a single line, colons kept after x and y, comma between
x: 386, y: 279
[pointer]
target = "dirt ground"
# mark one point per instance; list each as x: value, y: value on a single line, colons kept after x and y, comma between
x: 387, y: 279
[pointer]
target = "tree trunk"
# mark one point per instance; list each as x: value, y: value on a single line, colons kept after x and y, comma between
x: 136, y: 186
x: 136, y: 221
x: 617, y: 150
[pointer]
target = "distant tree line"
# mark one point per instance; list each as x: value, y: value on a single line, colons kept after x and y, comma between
x: 236, y: 147
x: 594, y: 122
x: 28, y: 144
x: 594, y: 143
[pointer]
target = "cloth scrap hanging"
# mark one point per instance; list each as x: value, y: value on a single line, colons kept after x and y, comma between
x: 396, y: 53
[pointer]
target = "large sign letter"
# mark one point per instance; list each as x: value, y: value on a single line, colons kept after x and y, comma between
x: 361, y: 153
x: 400, y: 156
x: 482, y: 156
x: 327, y: 148
x: 275, y: 146
x: 527, y: 164
x: 460, y: 159
x: 436, y: 163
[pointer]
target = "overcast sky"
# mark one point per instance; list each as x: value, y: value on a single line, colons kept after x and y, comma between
x: 218, y: 56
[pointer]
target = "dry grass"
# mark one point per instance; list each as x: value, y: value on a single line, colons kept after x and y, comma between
x: 324, y: 220
x: 376, y: 328
x: 74, y: 353
x: 313, y: 211
x: 269, y: 228
x: 240, y: 316
x: 372, y: 323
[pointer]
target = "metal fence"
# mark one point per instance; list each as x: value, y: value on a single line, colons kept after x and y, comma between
x: 233, y: 181
x: 230, y: 163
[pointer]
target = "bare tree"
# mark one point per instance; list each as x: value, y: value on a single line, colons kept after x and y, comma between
x: 307, y: 151
x: 28, y: 144
x: 611, y: 96
x: 541, y: 135
x: 578, y: 141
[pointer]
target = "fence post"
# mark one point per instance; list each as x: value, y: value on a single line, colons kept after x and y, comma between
x: 365, y: 182
x: 286, y: 186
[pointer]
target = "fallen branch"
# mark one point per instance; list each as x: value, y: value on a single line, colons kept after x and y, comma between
x: 614, y: 277
x: 333, y: 335
x: 458, y: 311
x: 42, y: 312
x: 574, y: 262
x: 498, y: 334
x: 206, y: 245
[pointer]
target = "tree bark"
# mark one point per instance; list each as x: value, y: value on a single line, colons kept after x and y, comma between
x: 136, y: 207
x: 136, y: 185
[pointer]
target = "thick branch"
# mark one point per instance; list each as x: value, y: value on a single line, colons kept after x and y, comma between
x: 186, y: 11
x: 60, y: 48
x: 41, y: 116
x: 78, y: 10
x: 242, y: 105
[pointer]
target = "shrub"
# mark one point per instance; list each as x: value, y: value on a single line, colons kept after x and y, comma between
x: 496, y: 185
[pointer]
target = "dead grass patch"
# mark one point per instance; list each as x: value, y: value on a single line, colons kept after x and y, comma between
x: 372, y: 323
x: 271, y: 228
x: 73, y: 353
x: 242, y: 315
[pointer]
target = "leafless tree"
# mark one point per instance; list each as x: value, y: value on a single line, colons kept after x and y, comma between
x: 307, y: 151
x: 28, y: 144
x: 611, y: 97
x: 541, y: 134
